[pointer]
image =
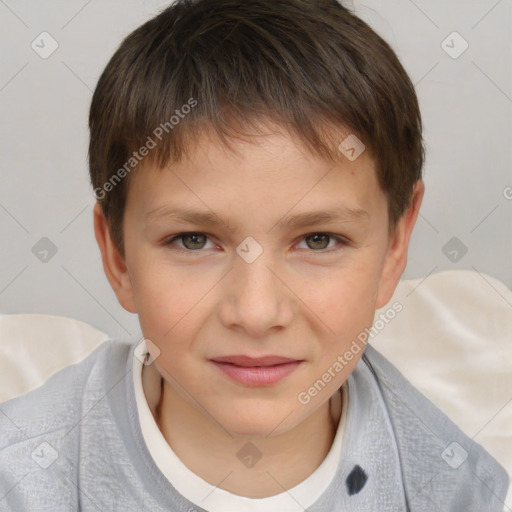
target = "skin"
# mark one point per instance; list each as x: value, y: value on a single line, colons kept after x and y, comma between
x: 302, y: 298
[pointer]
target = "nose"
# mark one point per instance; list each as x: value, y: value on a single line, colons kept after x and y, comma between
x: 254, y: 297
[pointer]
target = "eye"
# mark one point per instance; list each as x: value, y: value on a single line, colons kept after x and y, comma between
x: 195, y: 241
x: 191, y: 241
x: 320, y: 241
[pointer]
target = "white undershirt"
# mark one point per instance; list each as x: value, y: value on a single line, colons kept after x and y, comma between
x: 214, y: 499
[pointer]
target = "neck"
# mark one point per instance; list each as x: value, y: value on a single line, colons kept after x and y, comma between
x: 211, y: 452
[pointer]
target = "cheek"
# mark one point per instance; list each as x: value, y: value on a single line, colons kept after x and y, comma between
x: 166, y: 298
x: 345, y: 297
x: 347, y: 307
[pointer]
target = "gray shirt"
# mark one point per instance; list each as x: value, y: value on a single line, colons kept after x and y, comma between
x: 75, y: 443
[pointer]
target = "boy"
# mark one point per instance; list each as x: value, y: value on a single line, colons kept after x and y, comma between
x: 257, y: 167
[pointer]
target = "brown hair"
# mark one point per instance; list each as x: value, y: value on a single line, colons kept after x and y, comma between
x: 227, y: 64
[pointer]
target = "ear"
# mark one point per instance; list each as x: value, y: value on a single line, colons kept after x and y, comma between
x: 396, y: 256
x: 113, y: 263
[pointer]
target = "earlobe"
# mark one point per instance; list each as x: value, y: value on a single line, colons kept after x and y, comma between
x: 396, y: 255
x: 113, y: 263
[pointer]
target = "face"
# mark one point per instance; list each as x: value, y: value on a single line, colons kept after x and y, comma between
x: 268, y: 253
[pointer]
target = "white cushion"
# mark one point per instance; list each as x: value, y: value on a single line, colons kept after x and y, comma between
x: 34, y: 346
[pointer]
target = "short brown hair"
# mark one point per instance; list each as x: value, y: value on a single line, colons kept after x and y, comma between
x: 305, y: 64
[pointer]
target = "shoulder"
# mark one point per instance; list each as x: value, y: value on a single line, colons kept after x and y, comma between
x: 54, y: 404
x: 440, y: 462
x: 42, y: 428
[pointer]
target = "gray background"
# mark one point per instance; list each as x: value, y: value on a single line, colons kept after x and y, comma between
x: 45, y: 192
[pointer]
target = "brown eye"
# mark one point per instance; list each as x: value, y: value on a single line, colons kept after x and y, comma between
x: 190, y: 241
x: 318, y: 241
x: 194, y: 241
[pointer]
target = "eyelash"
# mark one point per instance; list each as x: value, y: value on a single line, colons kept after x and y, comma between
x: 342, y: 242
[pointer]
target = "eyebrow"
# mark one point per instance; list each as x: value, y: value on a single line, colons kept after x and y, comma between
x: 299, y: 220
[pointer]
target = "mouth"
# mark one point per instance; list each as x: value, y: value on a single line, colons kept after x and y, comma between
x: 253, y: 372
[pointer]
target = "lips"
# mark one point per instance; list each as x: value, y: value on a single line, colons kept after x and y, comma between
x: 248, y: 362
x: 259, y: 371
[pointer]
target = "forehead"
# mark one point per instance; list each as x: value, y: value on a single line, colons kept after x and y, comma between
x: 265, y: 170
